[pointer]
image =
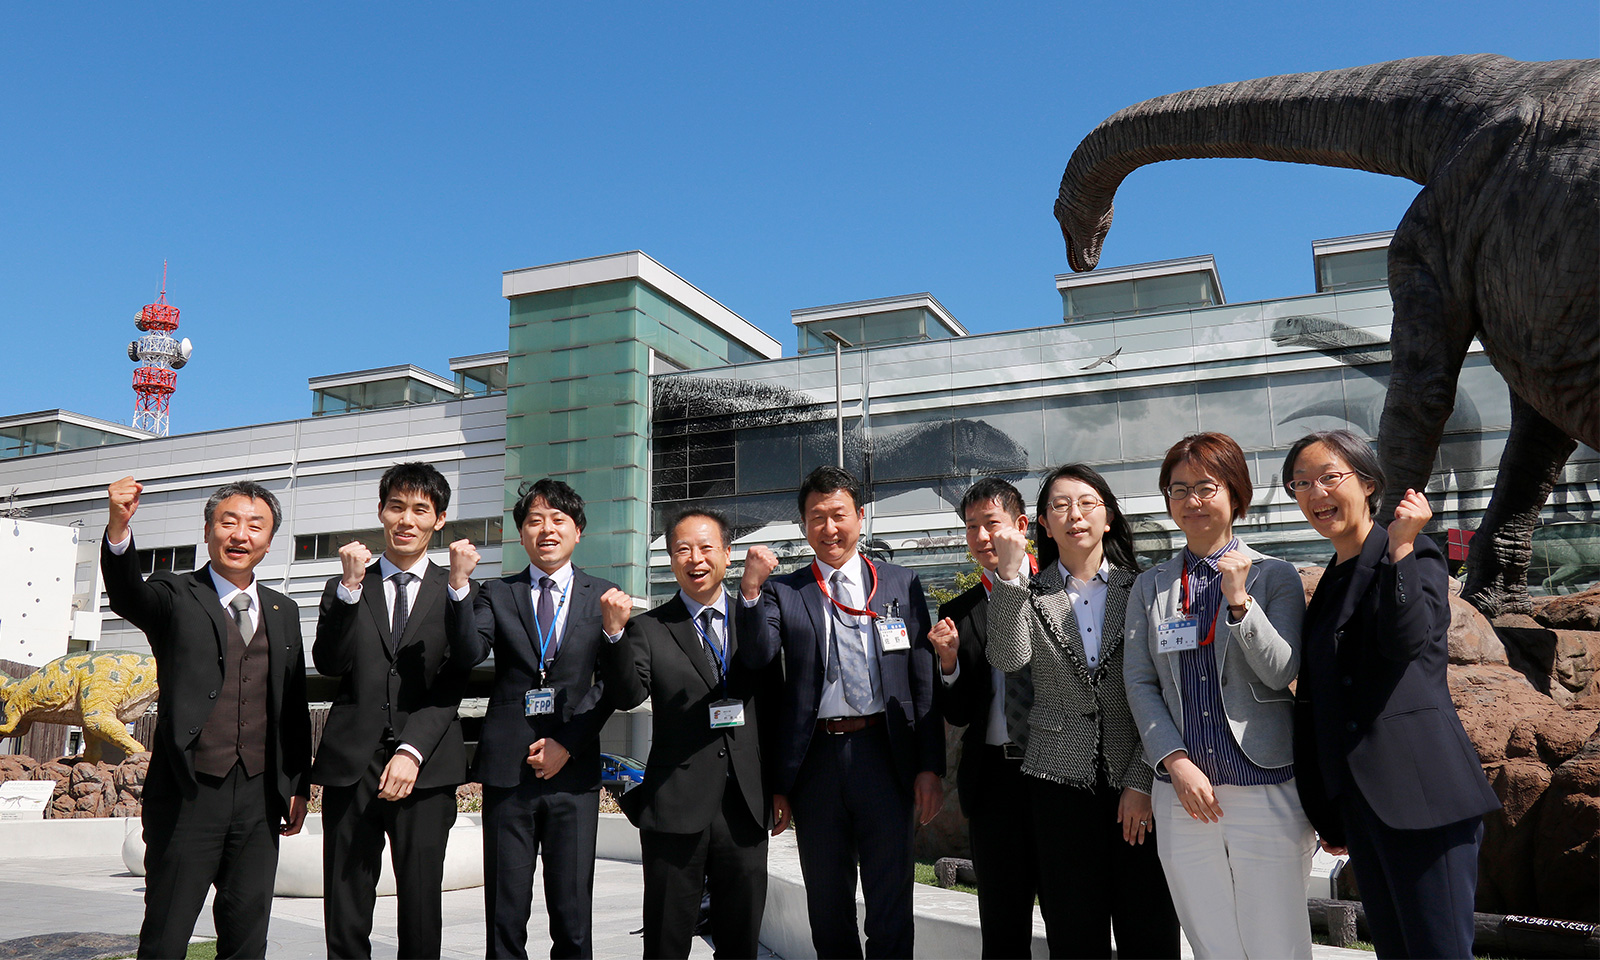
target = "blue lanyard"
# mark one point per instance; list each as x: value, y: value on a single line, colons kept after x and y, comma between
x: 545, y: 641
x: 722, y: 660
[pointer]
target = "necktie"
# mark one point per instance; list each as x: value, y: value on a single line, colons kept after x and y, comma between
x: 241, y: 614
x: 547, y: 617
x: 402, y: 604
x: 708, y: 619
x: 852, y: 657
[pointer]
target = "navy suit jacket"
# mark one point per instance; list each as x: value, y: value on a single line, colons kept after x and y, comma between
x: 1373, y: 705
x: 499, y: 615
x: 792, y: 617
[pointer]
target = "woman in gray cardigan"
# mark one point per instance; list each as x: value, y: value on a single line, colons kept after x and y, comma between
x: 1088, y: 788
x: 1213, y: 640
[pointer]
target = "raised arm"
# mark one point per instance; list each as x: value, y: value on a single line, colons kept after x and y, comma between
x: 1269, y: 633
x: 469, y: 617
x: 145, y: 605
x: 1010, y: 617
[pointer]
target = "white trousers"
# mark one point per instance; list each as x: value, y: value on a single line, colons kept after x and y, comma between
x: 1239, y: 885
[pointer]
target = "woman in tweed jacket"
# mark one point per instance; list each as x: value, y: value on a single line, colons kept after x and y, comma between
x: 1087, y: 783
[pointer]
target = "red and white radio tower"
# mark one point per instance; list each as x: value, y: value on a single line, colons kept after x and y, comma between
x: 161, y: 356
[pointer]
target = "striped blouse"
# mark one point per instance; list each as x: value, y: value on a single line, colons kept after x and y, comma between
x: 1206, y: 735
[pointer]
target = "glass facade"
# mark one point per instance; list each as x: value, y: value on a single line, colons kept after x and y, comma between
x: 871, y: 330
x: 375, y: 395
x: 1123, y: 298
x: 481, y: 381
x: 578, y: 407
x: 922, y: 421
x: 48, y: 436
x: 1353, y: 270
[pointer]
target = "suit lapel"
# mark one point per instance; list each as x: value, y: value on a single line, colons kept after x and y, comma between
x: 428, y: 593
x: 1059, y: 619
x: 277, y: 631
x: 1111, y: 632
x: 522, y: 596
x: 816, y: 606
x: 376, y: 601
x: 205, y: 590
x: 1167, y: 589
x: 1372, y: 553
x: 578, y: 600
x: 683, y: 630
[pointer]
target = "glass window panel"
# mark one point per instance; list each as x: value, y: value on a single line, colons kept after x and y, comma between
x: 1482, y: 398
x: 999, y: 438
x: 768, y: 458
x: 906, y: 445
x: 1311, y: 400
x: 892, y: 326
x: 1353, y: 270
x: 1099, y: 300
x: 183, y: 558
x: 1154, y: 294
x: 908, y: 499
x: 1082, y: 427
x: 1237, y: 408
x: 1154, y: 418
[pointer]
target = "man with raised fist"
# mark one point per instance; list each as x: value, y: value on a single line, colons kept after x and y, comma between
x: 539, y: 753
x: 233, y: 735
x: 391, y: 754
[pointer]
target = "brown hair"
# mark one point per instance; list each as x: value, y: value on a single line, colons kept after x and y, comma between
x: 1220, y: 457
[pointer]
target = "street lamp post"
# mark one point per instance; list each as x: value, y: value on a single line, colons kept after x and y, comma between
x: 839, y: 343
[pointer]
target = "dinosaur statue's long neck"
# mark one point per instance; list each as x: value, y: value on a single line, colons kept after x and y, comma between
x: 1379, y: 118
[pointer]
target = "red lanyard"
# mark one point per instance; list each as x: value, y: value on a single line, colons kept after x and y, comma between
x: 1033, y: 568
x: 816, y: 571
x: 1211, y: 634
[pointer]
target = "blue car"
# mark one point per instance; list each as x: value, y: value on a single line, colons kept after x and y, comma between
x: 620, y: 774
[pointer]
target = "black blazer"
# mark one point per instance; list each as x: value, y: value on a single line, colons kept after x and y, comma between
x: 791, y: 617
x: 966, y: 702
x: 182, y: 616
x: 661, y: 657
x: 411, y: 688
x: 499, y: 616
x: 1373, y: 701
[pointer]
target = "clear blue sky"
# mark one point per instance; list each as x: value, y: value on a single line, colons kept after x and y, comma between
x: 340, y: 186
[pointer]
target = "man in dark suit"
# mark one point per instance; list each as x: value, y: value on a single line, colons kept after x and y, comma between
x: 860, y: 748
x: 233, y: 734
x: 981, y: 698
x: 702, y: 808
x: 539, y: 753
x: 391, y: 754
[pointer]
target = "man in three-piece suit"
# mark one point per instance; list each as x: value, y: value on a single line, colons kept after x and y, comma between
x: 233, y: 734
x: 391, y: 754
x: 860, y: 748
x: 539, y: 753
x: 981, y: 698
x: 702, y: 808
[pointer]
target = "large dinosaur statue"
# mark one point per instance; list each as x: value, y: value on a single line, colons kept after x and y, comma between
x: 99, y: 692
x: 1502, y: 244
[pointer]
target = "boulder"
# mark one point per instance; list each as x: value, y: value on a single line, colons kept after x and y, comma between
x: 1560, y: 662
x: 1566, y: 843
x: 1472, y: 638
x: 1576, y: 611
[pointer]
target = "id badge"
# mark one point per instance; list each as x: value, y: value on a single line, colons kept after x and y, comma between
x: 1179, y: 633
x: 892, y: 634
x: 539, y: 703
x: 727, y: 713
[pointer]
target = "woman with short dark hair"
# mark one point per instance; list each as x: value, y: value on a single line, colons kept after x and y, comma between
x: 1088, y: 788
x: 1213, y: 643
x: 1373, y: 709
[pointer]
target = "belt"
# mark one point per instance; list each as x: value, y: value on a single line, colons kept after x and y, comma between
x: 848, y: 724
x: 1006, y: 751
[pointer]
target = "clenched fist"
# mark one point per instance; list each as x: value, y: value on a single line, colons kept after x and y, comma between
x: 353, y: 558
x: 1411, y: 514
x: 1011, y: 550
x: 1235, y: 569
x: 463, y: 560
x: 124, y: 498
x: 759, y: 562
x: 615, y: 609
x: 945, y: 640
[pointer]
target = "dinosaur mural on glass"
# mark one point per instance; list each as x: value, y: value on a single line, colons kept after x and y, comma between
x: 1502, y: 243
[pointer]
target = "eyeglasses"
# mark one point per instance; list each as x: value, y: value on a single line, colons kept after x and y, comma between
x: 1327, y: 481
x: 1063, y: 506
x: 1183, y: 491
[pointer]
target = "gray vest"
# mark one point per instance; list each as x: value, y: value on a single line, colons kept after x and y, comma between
x: 236, y: 731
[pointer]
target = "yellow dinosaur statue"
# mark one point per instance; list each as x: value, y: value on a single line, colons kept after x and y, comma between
x: 99, y: 691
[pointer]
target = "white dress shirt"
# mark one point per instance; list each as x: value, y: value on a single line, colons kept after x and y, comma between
x: 562, y: 600
x: 387, y: 569
x: 1088, y: 606
x: 854, y: 594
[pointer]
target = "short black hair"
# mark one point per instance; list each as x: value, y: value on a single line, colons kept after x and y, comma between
x: 415, y: 477
x: 1118, y: 540
x: 715, y: 516
x: 553, y: 492
x: 1352, y: 450
x: 250, y: 489
x: 996, y: 489
x: 826, y: 480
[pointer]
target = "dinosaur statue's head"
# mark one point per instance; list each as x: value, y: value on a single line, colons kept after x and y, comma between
x: 1084, y: 239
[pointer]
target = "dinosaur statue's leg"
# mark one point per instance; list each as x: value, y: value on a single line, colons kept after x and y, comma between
x: 100, y: 722
x: 1428, y: 343
x: 1497, y: 563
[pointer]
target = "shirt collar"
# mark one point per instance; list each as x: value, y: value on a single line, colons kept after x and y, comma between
x: 720, y: 604
x: 851, y: 570
x: 1210, y: 561
x: 562, y: 577
x: 387, y: 568
x: 1102, y: 575
x: 226, y: 591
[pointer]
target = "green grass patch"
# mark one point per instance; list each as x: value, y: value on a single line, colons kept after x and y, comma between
x: 924, y: 874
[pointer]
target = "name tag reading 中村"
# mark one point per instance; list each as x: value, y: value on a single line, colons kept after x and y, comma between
x: 1179, y: 633
x: 539, y: 703
x: 727, y: 713
x: 892, y: 634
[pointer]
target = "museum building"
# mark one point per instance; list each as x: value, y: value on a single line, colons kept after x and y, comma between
x: 647, y: 395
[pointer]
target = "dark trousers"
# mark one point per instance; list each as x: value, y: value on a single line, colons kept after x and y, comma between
x: 1091, y: 881
x: 354, y: 824
x: 1003, y: 853
x: 849, y: 811
x: 730, y: 858
x: 1417, y: 886
x: 521, y: 825
x: 228, y: 836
